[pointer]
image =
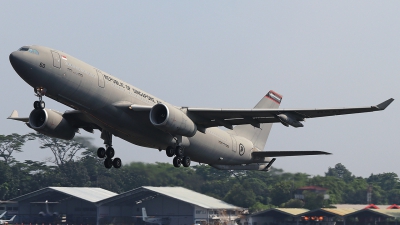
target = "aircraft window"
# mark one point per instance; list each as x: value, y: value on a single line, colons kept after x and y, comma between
x: 34, y: 51
x: 23, y: 49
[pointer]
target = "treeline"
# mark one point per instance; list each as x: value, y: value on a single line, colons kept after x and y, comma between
x: 75, y: 164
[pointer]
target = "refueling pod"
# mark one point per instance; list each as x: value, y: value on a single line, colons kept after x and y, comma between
x: 51, y: 123
x: 172, y: 120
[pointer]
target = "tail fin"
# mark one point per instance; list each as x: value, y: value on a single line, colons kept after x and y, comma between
x: 4, y: 213
x: 12, y: 218
x: 259, y: 136
x: 144, y: 214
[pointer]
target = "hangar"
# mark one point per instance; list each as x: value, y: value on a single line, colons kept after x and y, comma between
x: 179, y: 205
x: 74, y: 205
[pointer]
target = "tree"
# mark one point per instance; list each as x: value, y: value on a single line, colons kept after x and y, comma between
x: 281, y: 192
x: 313, y: 200
x: 341, y: 172
x: 239, y: 196
x: 63, y: 150
x: 293, y: 203
x: 387, y: 181
x: 11, y: 143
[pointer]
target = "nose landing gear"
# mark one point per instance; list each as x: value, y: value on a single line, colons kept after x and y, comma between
x: 39, y: 92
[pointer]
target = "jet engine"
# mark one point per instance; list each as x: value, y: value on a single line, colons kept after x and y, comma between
x: 51, y: 123
x: 287, y: 119
x: 172, y: 120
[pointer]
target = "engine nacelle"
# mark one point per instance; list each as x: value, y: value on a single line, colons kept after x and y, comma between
x: 51, y: 123
x: 172, y: 120
x: 287, y: 119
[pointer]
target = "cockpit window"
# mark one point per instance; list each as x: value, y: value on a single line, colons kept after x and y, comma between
x: 34, y: 51
x: 31, y: 50
x: 23, y: 49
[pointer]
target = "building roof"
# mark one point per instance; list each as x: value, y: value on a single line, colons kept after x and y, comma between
x: 179, y: 193
x: 359, y: 206
x: 388, y: 213
x: 283, y: 212
x: 89, y: 194
x: 329, y: 212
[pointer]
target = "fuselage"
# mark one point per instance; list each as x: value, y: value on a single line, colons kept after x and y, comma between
x: 98, y: 94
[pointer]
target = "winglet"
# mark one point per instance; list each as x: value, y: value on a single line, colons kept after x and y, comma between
x: 385, y: 104
x: 14, y: 116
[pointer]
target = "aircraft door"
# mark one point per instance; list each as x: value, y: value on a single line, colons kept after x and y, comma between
x: 234, y: 144
x: 101, y: 79
x: 56, y: 59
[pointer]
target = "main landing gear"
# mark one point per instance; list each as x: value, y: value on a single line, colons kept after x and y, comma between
x: 108, y: 155
x: 179, y: 158
x: 108, y: 152
x: 39, y: 92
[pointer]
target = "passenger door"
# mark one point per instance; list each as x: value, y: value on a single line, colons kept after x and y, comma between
x: 56, y: 59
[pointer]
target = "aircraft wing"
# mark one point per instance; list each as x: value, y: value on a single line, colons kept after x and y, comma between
x: 207, y: 117
x: 75, y: 117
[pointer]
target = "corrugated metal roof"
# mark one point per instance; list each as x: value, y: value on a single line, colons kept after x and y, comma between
x: 89, y: 194
x: 341, y: 211
x: 358, y: 206
x: 292, y: 211
x: 192, y: 197
x: 285, y: 211
x: 389, y: 212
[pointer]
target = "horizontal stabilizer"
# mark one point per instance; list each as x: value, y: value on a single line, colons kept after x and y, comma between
x: 287, y: 153
x: 14, y: 116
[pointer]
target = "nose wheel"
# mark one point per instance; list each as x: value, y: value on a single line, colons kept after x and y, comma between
x: 39, y: 92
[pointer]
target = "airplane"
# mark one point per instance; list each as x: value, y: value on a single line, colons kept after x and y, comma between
x: 106, y: 103
x: 4, y: 213
x: 155, y: 220
x: 8, y: 221
x: 47, y: 213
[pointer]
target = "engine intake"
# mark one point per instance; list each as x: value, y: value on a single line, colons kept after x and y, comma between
x: 172, y: 120
x: 51, y: 123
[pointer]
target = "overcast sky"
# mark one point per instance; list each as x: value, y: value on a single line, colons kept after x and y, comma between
x: 229, y: 54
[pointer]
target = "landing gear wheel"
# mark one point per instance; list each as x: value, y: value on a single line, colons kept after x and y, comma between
x: 186, y: 161
x: 179, y: 151
x: 170, y: 151
x: 117, y: 163
x: 101, y: 152
x: 36, y: 104
x: 108, y: 163
x: 110, y: 152
x: 177, y: 161
x: 42, y: 105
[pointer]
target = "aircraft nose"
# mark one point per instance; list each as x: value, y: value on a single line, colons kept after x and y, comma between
x: 15, y: 59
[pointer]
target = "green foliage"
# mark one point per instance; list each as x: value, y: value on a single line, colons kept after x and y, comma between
x: 75, y: 163
x: 293, y: 203
x: 313, y: 200
x: 341, y: 172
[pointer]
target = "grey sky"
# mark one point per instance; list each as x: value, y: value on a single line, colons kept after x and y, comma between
x: 229, y: 54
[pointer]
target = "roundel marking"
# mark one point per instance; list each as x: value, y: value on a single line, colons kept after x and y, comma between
x: 241, y: 149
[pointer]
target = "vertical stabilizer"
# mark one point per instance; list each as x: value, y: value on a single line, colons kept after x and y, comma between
x: 12, y: 218
x: 259, y: 136
x: 4, y: 213
x: 144, y: 214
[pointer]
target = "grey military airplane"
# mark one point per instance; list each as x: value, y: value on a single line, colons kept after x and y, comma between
x: 116, y: 108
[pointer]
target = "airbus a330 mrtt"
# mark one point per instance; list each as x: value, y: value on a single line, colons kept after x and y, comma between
x: 116, y: 108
